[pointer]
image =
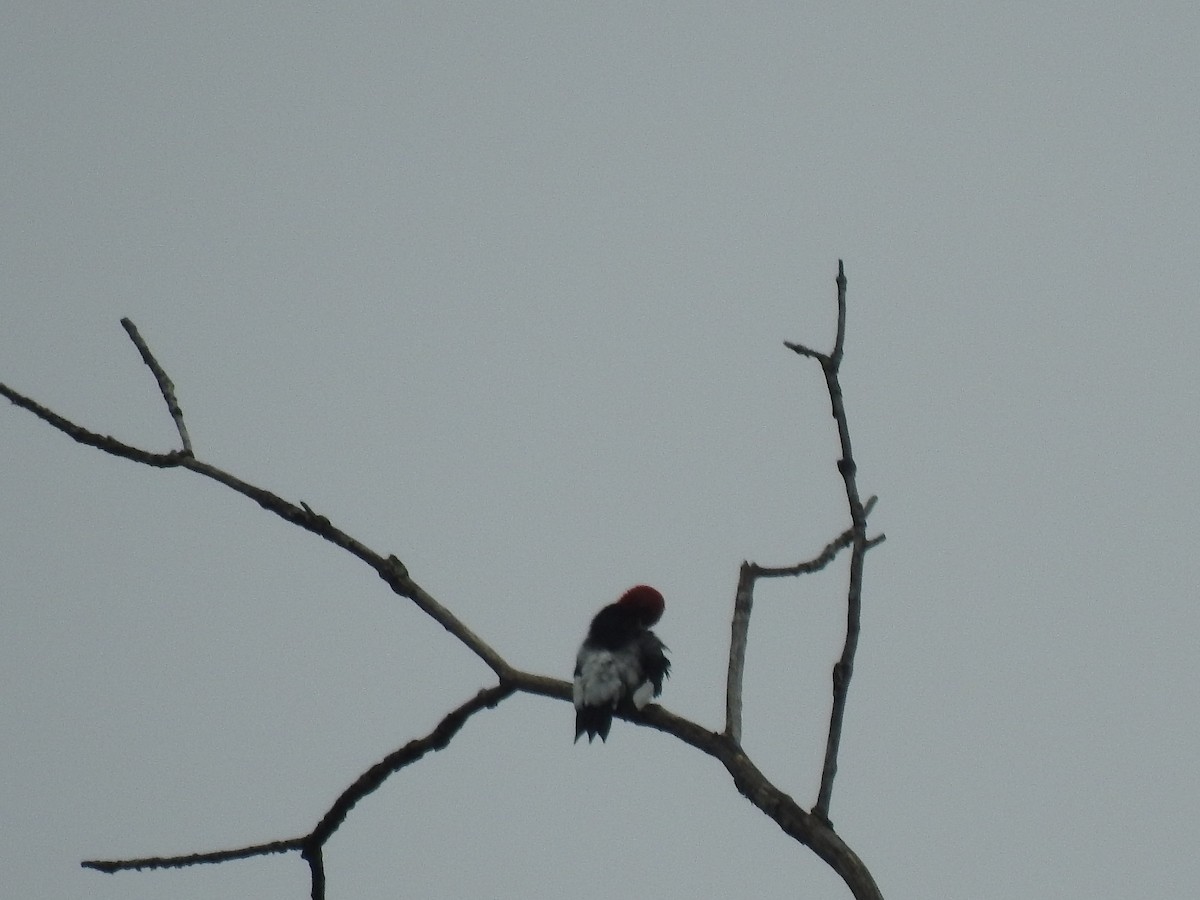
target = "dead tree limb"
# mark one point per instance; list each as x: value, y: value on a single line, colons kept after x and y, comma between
x: 843, y: 670
x: 811, y: 829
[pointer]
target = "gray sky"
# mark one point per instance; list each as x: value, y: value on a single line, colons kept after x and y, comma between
x: 502, y: 289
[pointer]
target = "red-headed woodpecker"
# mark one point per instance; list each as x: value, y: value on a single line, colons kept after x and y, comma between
x: 621, y: 661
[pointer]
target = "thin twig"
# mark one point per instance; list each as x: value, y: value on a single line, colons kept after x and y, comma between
x: 839, y: 342
x: 165, y: 386
x: 806, y: 351
x: 192, y: 859
x: 818, y: 562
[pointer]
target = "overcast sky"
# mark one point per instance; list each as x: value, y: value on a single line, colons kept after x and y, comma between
x: 502, y: 289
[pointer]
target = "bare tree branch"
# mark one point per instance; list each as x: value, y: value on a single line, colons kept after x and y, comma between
x: 739, y: 627
x: 370, y: 780
x: 165, y: 387
x: 311, y: 844
x: 314, y: 855
x: 811, y: 829
x: 750, y: 782
x: 192, y: 859
x: 100, y: 441
x: 390, y: 569
x: 822, y: 559
x: 843, y: 670
x: 742, y: 605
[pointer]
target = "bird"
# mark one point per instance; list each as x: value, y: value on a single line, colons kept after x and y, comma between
x: 620, y: 662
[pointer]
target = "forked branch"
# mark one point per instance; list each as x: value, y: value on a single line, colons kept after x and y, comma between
x: 811, y: 829
x: 743, y: 604
x: 311, y: 844
x: 165, y: 386
x: 843, y: 670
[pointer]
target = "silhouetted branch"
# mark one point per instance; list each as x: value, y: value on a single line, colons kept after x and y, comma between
x: 750, y: 782
x: 739, y: 627
x: 192, y: 859
x: 843, y: 670
x: 92, y: 439
x: 314, y: 855
x: 311, y: 844
x: 165, y: 387
x: 811, y: 829
x: 743, y: 603
x: 390, y: 569
x: 821, y: 560
x: 370, y: 780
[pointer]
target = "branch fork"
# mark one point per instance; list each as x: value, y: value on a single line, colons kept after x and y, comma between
x: 813, y: 829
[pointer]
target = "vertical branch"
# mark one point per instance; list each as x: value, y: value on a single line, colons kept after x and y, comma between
x: 855, y: 537
x: 839, y: 341
x: 843, y: 670
x: 742, y: 604
x: 314, y: 855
